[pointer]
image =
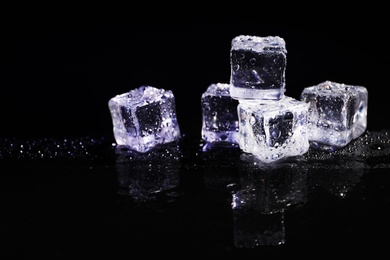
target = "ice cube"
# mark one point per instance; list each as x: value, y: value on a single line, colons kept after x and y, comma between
x: 144, y: 118
x: 219, y: 114
x: 273, y: 130
x: 337, y: 113
x: 258, y: 67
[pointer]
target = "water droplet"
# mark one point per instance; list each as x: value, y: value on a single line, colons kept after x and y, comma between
x: 252, y: 120
x: 377, y: 146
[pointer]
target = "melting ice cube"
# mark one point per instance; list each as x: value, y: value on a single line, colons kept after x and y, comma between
x: 219, y: 114
x: 337, y: 113
x: 258, y: 67
x: 273, y: 130
x: 144, y: 117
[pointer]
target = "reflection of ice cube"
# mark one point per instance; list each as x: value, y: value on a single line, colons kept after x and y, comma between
x: 219, y: 114
x: 274, y: 186
x: 337, y: 113
x: 221, y: 168
x: 266, y: 192
x: 273, y: 130
x: 252, y: 228
x: 258, y: 67
x: 144, y: 117
x: 145, y: 181
x: 144, y: 177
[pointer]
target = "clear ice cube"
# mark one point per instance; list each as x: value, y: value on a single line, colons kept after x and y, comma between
x: 258, y: 67
x: 337, y: 113
x: 144, y: 118
x: 273, y: 130
x: 219, y: 114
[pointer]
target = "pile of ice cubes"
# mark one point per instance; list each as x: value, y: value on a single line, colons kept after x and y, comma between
x: 251, y: 111
x: 271, y: 125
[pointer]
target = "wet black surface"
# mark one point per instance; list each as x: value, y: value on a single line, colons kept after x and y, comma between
x: 87, y: 197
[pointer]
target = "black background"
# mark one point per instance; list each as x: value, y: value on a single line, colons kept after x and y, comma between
x: 57, y: 78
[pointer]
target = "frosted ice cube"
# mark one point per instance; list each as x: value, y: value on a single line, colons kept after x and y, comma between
x: 258, y: 67
x: 337, y: 113
x: 219, y: 114
x: 144, y: 117
x: 273, y: 130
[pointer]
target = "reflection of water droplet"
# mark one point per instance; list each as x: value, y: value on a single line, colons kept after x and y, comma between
x: 377, y: 146
x: 252, y: 120
x: 233, y: 187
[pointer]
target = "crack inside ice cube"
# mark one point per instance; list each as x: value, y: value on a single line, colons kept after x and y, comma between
x: 144, y: 118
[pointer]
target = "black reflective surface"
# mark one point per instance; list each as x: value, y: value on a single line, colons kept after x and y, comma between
x: 87, y: 197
